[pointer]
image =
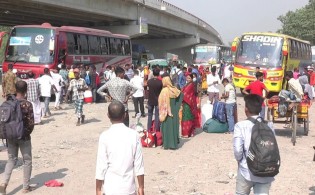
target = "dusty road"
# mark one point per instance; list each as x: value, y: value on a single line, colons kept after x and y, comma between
x: 202, y: 165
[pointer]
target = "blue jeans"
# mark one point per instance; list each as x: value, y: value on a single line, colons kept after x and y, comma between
x: 46, y: 102
x: 156, y: 117
x: 263, y: 112
x: 230, y: 115
x: 288, y: 94
x: 243, y: 186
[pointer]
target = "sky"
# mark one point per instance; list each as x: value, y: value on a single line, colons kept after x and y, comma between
x: 231, y: 18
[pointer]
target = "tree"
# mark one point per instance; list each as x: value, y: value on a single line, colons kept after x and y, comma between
x: 300, y: 23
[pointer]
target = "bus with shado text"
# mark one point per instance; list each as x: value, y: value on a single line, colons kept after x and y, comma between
x: 35, y: 47
x: 274, y: 53
x: 210, y: 54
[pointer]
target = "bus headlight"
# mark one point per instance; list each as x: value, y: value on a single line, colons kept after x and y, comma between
x: 237, y: 74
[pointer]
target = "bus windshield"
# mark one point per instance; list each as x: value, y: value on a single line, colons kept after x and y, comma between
x: 31, y: 45
x: 206, y: 54
x: 260, y: 50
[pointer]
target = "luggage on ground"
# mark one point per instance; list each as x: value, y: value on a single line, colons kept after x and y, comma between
x: 206, y: 112
x: 219, y: 112
x: 263, y: 158
x: 214, y: 126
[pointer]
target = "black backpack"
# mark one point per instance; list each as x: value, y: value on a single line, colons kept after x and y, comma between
x: 11, y: 119
x: 263, y: 158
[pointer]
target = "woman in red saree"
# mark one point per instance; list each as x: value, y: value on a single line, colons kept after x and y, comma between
x: 189, y: 108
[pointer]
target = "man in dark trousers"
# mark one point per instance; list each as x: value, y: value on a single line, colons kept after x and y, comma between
x: 24, y: 144
x: 155, y: 86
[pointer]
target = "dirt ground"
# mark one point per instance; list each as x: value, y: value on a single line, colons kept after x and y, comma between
x: 202, y: 165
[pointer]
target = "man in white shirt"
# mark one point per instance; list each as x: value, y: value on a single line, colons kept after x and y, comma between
x: 138, y: 96
x: 295, y: 90
x: 46, y: 82
x: 119, y: 157
x: 128, y: 71
x: 59, y: 83
x: 213, y: 81
x: 230, y: 100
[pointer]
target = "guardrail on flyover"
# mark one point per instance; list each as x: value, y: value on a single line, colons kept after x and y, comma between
x: 173, y: 10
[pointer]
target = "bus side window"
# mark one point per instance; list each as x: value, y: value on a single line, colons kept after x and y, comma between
x: 122, y: 45
x: 113, y: 46
x: 76, y: 44
x: 127, y: 47
x: 84, y: 47
x: 118, y: 46
x: 70, y: 43
x: 292, y: 49
x: 93, y: 45
x: 104, y: 48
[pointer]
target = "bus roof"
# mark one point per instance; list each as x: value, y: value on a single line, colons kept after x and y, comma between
x: 276, y: 34
x: 212, y: 44
x: 75, y: 29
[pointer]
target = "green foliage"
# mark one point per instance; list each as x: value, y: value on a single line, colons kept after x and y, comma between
x: 300, y: 23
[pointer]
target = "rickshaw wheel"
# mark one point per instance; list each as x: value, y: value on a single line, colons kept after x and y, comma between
x: 306, y: 126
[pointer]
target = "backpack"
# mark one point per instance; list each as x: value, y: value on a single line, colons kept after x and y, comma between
x: 87, y: 79
x: 214, y: 126
x: 175, y: 78
x: 219, y: 111
x: 263, y: 158
x: 11, y: 119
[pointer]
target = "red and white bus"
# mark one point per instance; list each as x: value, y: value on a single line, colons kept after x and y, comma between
x: 35, y: 47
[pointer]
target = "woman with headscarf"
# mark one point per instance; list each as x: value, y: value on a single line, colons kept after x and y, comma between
x: 189, y: 108
x: 170, y: 100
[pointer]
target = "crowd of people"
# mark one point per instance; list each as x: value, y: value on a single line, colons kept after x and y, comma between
x: 173, y: 107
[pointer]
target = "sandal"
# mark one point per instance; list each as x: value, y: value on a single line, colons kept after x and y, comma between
x: 27, y: 190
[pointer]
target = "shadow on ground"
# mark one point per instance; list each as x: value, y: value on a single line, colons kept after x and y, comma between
x: 313, y: 190
x: 40, y: 179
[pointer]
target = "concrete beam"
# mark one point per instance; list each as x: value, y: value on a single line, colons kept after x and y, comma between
x: 168, y: 44
x: 131, y: 30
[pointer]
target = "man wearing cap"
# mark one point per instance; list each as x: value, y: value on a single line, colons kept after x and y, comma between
x: 77, y: 86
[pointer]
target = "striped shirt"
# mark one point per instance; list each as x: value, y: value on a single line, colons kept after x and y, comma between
x: 33, y: 91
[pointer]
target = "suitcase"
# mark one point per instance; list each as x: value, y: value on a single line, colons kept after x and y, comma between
x: 219, y: 112
x: 215, y: 126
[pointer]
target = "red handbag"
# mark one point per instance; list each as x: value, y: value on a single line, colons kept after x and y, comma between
x: 147, y: 140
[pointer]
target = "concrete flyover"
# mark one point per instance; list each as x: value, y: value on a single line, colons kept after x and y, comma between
x: 156, y: 24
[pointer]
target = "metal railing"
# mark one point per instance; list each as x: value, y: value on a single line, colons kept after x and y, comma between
x: 176, y: 11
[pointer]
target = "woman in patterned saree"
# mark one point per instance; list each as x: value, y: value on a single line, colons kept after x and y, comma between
x: 189, y: 108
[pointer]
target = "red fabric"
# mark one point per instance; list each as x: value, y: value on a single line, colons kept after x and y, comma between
x: 257, y: 87
x: 197, y: 121
x: 147, y: 140
x: 188, y: 128
x: 312, y: 78
x: 53, y: 183
x: 98, y: 81
x: 190, y: 98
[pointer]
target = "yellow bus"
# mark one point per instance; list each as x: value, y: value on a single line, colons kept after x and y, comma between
x: 273, y: 53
